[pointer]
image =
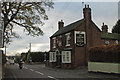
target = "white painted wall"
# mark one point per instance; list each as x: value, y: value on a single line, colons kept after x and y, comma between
x: 104, y: 67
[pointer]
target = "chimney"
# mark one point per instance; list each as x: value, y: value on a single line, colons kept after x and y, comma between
x: 60, y: 24
x: 104, y: 28
x: 87, y: 12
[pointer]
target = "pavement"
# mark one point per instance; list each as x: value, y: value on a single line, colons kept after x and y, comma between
x: 59, y: 74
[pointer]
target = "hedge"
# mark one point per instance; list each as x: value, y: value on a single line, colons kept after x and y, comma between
x: 110, y: 53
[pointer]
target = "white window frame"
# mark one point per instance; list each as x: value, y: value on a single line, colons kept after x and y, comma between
x: 67, y: 39
x: 52, y: 56
x: 117, y: 42
x: 54, y: 42
x: 66, y: 58
x: 80, y: 32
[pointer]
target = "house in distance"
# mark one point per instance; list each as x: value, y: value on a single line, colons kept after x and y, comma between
x: 70, y: 44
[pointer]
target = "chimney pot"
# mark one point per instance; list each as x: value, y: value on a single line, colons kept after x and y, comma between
x: 104, y: 28
x: 88, y: 6
x: 85, y: 5
x: 60, y: 24
x: 103, y: 23
x: 87, y: 12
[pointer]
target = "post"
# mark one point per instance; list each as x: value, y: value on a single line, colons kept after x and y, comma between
x: 30, y: 47
x: 5, y: 50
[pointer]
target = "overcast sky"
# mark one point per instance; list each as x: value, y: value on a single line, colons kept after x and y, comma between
x: 69, y: 12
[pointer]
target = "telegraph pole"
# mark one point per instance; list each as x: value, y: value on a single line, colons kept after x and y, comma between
x: 5, y: 50
x: 30, y: 47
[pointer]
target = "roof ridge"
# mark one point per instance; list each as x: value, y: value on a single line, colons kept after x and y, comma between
x: 68, y: 28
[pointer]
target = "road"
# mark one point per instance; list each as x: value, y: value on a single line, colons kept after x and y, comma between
x: 41, y: 72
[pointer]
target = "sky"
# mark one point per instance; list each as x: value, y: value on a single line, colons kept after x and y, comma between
x: 69, y: 12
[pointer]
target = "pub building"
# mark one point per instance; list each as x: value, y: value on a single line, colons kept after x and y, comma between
x: 70, y: 44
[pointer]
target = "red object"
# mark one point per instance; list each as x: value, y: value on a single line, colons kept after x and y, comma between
x: 20, y: 64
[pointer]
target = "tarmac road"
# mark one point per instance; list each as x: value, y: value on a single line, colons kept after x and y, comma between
x: 41, y: 72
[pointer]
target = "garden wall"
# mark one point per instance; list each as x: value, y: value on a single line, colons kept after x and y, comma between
x: 104, y: 59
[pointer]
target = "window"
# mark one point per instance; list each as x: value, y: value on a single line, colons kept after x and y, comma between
x: 52, y: 56
x: 67, y: 39
x: 107, y: 42
x: 116, y: 42
x: 66, y: 56
x: 54, y: 42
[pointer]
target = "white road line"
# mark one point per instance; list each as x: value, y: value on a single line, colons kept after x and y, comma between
x: 31, y: 69
x: 25, y: 67
x: 52, y: 77
x: 39, y: 72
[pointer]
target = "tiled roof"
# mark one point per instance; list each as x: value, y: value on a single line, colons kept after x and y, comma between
x: 68, y: 28
x: 110, y: 36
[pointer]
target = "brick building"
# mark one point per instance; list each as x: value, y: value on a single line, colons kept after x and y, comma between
x: 69, y: 45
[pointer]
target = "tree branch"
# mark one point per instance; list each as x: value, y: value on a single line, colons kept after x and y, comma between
x: 13, y: 16
x: 19, y: 24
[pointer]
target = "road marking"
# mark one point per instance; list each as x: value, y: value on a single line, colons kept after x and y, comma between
x: 31, y: 69
x: 39, y: 72
x: 52, y: 77
x: 25, y: 67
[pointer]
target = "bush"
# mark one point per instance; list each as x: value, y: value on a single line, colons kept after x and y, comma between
x: 110, y: 53
x: 37, y: 56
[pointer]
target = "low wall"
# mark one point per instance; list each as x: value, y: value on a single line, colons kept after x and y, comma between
x: 104, y: 67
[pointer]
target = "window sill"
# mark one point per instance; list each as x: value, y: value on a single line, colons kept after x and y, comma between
x: 67, y: 45
x: 54, y: 47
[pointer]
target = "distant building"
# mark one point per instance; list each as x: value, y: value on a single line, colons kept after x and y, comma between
x: 70, y: 44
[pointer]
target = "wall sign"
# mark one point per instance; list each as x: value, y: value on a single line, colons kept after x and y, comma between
x: 80, y: 38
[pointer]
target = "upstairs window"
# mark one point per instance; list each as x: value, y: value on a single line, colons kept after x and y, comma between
x: 67, y: 39
x: 54, y: 42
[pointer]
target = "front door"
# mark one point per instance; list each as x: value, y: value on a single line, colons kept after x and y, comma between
x: 58, y: 59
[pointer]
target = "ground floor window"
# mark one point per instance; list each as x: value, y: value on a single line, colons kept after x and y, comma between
x: 52, y: 56
x: 66, y: 56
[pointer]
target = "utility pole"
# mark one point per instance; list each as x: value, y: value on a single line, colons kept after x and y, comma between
x: 30, y: 47
x: 5, y: 50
